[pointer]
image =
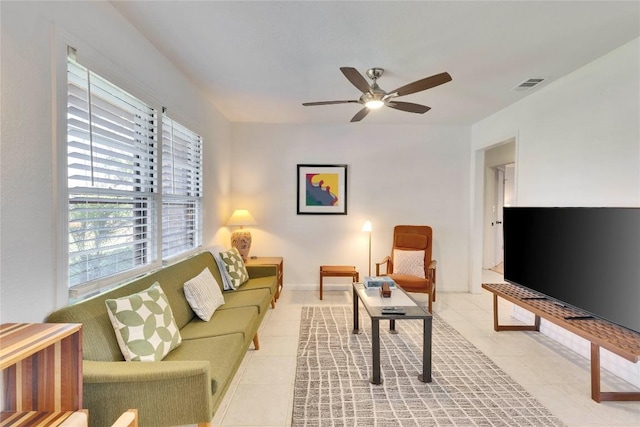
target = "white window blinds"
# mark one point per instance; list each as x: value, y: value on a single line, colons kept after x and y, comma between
x: 112, y: 179
x: 181, y: 189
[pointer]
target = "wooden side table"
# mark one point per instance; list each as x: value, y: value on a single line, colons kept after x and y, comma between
x: 277, y: 261
x: 338, y: 271
x: 41, y: 371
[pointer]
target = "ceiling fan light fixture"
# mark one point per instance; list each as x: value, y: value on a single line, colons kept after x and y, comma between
x: 374, y: 104
x: 373, y: 97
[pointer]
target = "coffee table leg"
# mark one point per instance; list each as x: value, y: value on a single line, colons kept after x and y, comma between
x: 425, y: 376
x: 375, y: 350
x: 356, y: 318
x: 392, y: 326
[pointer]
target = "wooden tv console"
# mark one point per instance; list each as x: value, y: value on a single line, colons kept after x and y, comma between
x: 621, y: 341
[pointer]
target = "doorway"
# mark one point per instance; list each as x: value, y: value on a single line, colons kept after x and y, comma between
x: 499, y: 191
x: 504, y: 185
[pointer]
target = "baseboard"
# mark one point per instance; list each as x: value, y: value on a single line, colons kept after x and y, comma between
x: 316, y: 287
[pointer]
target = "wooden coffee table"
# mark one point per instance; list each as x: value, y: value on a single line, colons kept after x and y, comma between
x: 338, y: 271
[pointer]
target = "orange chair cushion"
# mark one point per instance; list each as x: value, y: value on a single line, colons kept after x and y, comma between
x: 410, y: 241
x: 411, y: 283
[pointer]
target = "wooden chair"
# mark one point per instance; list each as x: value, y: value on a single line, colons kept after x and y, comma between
x: 412, y: 238
x: 127, y: 419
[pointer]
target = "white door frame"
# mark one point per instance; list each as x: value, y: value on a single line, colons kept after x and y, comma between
x: 479, y: 226
x: 497, y: 225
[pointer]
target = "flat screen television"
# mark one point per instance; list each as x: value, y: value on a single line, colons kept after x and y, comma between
x: 588, y: 258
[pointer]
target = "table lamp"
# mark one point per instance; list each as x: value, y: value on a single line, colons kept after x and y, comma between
x: 241, y: 239
x: 368, y: 228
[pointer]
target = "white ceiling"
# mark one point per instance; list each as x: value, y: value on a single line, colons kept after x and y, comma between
x: 259, y: 61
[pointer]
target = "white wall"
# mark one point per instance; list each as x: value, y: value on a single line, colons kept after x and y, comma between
x: 577, y: 144
x: 32, y: 35
x: 579, y: 137
x: 396, y: 175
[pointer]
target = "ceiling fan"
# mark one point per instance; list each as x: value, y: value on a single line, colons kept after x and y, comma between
x: 373, y: 97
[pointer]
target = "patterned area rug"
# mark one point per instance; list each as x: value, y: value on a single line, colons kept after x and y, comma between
x: 332, y: 379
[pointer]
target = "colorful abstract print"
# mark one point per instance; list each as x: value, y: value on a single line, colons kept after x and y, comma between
x: 322, y: 189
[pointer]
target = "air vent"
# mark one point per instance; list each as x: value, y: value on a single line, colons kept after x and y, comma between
x: 529, y: 84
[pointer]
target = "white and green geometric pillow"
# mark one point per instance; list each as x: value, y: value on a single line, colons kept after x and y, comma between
x: 235, y: 267
x: 144, y: 325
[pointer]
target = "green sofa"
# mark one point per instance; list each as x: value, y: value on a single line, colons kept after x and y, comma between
x: 187, y: 386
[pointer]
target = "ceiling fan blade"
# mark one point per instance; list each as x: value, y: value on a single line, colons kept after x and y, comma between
x: 424, y: 84
x: 310, y: 104
x: 360, y: 115
x: 409, y: 107
x: 356, y: 79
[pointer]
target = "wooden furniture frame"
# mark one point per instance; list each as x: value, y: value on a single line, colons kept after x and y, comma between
x: 128, y: 419
x: 338, y: 271
x: 618, y: 340
x: 413, y: 238
x: 278, y: 262
x: 41, y: 367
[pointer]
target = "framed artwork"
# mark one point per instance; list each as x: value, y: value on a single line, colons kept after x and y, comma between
x: 322, y: 189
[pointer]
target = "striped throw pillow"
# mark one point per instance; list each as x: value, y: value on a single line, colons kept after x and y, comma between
x: 203, y: 294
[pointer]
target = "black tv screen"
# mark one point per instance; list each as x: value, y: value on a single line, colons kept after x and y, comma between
x: 588, y: 258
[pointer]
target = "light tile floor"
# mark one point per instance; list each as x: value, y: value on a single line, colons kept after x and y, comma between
x: 262, y: 390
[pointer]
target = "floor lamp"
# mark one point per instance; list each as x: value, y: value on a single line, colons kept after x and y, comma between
x: 367, y: 228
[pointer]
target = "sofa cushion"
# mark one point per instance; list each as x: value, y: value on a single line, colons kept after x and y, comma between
x: 259, y: 298
x: 224, y: 353
x: 270, y: 283
x: 410, y: 263
x: 239, y: 320
x: 204, y: 294
x: 234, y: 266
x: 144, y: 325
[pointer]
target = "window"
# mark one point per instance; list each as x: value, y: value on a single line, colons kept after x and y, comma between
x: 112, y: 172
x: 130, y: 203
x: 181, y: 189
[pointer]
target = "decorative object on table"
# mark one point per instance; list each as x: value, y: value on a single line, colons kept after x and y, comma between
x: 367, y: 227
x: 378, y: 281
x: 385, y: 291
x: 322, y: 189
x: 241, y: 239
x: 411, y: 242
x: 373, y: 97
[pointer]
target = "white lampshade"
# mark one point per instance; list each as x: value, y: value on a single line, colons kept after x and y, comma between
x: 241, y: 217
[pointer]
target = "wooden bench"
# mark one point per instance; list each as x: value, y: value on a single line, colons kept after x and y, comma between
x: 618, y: 340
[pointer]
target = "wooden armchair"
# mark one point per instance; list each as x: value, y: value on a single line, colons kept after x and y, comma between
x: 127, y: 419
x: 406, y: 265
